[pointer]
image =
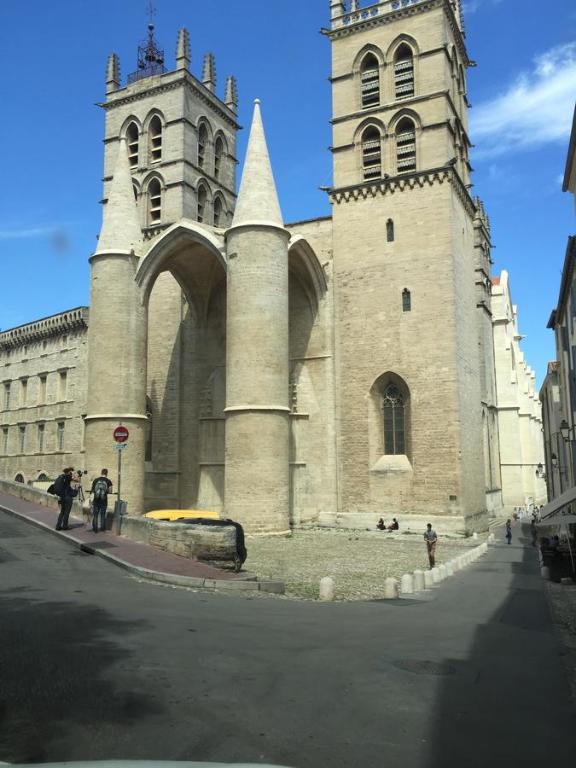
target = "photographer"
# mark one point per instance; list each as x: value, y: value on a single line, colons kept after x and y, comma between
x: 66, y: 492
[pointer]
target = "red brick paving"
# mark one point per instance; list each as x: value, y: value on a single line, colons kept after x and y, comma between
x: 130, y: 553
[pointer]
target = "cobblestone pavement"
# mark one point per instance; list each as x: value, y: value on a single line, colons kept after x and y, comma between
x: 358, y: 561
x: 563, y: 604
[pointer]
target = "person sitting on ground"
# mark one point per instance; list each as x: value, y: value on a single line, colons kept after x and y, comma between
x: 393, y: 525
x: 381, y: 525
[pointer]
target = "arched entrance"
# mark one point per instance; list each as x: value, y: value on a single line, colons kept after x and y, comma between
x: 183, y: 280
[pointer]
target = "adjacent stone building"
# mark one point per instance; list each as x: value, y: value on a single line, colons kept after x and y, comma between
x: 328, y: 371
x: 43, y: 396
x: 558, y: 394
x: 519, y: 407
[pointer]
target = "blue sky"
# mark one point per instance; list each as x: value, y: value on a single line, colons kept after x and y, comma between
x: 523, y: 92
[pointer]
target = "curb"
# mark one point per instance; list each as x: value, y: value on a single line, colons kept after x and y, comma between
x: 247, y: 584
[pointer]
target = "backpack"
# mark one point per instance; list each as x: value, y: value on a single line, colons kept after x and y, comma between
x: 100, y: 489
x: 58, y: 485
x: 51, y: 490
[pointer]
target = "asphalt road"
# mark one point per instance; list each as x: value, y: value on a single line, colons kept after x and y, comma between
x: 96, y: 665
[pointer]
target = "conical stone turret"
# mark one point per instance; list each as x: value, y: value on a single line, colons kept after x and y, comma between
x: 120, y: 222
x: 257, y: 355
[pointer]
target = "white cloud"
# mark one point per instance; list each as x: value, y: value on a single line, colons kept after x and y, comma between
x: 474, y: 5
x: 534, y: 110
x: 23, y: 234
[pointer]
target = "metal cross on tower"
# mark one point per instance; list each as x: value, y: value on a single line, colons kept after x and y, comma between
x: 150, y: 55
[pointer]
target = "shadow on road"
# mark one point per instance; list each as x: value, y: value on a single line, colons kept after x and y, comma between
x: 485, y: 709
x: 60, y: 676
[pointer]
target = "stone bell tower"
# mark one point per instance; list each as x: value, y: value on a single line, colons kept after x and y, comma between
x: 410, y: 415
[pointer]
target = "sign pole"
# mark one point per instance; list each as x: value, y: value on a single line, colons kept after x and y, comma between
x: 120, y: 436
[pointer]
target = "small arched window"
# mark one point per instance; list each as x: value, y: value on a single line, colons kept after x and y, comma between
x: 219, y: 151
x: 19, y: 478
x: 217, y: 212
x: 406, y: 300
x: 132, y: 137
x: 405, y: 146
x: 155, y: 133
x: 202, y: 196
x: 390, y: 231
x: 394, y: 407
x: 370, y: 80
x: 154, y: 201
x: 404, y: 72
x: 202, y: 144
x: 372, y: 153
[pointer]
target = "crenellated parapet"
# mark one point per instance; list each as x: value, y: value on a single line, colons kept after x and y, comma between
x: 55, y: 325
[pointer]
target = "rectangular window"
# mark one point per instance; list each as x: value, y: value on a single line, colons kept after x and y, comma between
x: 5, y: 441
x: 22, y: 439
x: 63, y: 385
x: 42, y: 389
x: 40, y: 438
x: 60, y: 436
x: 7, y: 396
x: 23, y: 392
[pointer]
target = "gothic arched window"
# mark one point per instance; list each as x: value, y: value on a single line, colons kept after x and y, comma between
x: 370, y: 81
x: 202, y: 196
x: 406, y: 300
x: 404, y: 72
x: 219, y: 152
x: 202, y: 144
x: 405, y: 146
x: 132, y: 137
x: 394, y: 407
x: 155, y: 134
x: 217, y: 212
x: 154, y: 201
x: 372, y: 153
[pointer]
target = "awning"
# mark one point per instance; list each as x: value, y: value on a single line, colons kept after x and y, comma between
x: 558, y: 519
x: 554, y: 506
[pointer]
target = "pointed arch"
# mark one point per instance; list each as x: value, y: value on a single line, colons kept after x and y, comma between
x: 404, y: 80
x: 404, y: 128
x: 220, y: 218
x: 154, y: 127
x: 203, y: 201
x: 391, y: 395
x: 205, y: 137
x: 371, y: 144
x: 153, y: 187
x: 220, y: 155
x: 131, y: 131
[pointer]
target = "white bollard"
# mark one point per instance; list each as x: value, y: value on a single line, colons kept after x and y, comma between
x: 449, y: 568
x: 443, y: 572
x: 390, y: 589
x: 545, y: 572
x: 436, y: 575
x: 455, y: 565
x: 491, y: 538
x: 428, y: 579
x: 327, y: 589
x: 475, y: 536
x: 407, y: 584
x: 419, y: 583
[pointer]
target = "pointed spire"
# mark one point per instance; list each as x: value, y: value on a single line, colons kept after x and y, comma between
x: 112, y: 73
x: 231, y: 97
x: 183, y: 50
x: 354, y: 5
x: 209, y: 72
x: 257, y: 200
x: 120, y: 221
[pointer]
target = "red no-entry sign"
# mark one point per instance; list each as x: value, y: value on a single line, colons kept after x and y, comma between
x: 121, y: 434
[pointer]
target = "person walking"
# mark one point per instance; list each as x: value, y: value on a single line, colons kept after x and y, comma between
x: 66, y: 492
x: 101, y: 487
x: 508, y: 531
x: 431, y: 540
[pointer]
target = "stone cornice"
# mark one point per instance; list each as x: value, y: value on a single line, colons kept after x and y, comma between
x: 364, y: 19
x: 186, y: 79
x: 406, y: 181
x: 56, y: 325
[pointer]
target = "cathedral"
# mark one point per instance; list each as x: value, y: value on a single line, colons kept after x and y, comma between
x: 328, y: 371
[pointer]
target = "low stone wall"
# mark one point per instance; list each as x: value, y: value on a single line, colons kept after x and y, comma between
x: 202, y: 542
x: 36, y: 496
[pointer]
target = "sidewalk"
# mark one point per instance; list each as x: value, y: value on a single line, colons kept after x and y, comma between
x: 140, y: 559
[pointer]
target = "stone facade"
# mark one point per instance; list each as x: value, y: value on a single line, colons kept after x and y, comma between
x: 555, y: 447
x: 326, y: 371
x: 43, y: 398
x: 519, y: 407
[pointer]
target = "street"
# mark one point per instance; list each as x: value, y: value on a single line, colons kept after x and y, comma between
x: 95, y: 665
